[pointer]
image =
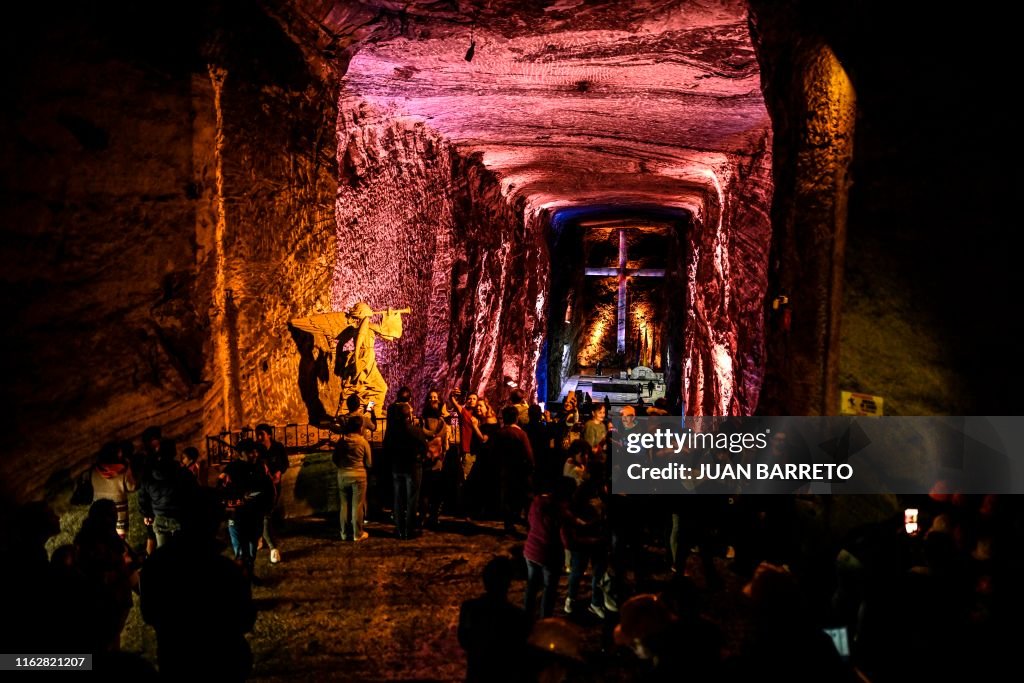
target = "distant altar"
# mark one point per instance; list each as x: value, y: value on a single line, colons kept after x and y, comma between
x: 642, y: 372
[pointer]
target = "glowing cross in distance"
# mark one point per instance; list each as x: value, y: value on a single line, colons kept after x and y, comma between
x: 622, y: 272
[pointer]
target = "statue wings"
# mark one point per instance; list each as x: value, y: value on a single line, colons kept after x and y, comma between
x: 325, y: 328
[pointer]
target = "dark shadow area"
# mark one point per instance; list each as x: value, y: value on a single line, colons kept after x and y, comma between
x: 314, y: 370
x: 928, y: 270
x: 316, y: 482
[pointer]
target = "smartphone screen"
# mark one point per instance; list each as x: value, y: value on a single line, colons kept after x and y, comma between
x: 840, y: 640
x: 910, y: 520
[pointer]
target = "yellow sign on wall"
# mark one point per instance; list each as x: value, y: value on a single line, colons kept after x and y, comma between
x: 860, y: 404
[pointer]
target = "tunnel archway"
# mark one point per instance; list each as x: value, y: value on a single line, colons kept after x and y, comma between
x: 586, y: 305
x: 554, y: 122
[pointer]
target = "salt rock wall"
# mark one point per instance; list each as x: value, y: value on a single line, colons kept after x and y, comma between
x: 420, y: 226
x: 750, y: 195
x: 892, y: 207
x: 727, y: 281
x: 161, y: 192
x: 813, y: 108
x: 102, y: 332
x: 929, y: 261
x: 278, y: 155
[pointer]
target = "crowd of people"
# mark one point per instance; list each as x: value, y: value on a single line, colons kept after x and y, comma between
x: 248, y: 487
x: 462, y: 456
x: 900, y: 598
x: 78, y: 597
x: 885, y: 602
x: 548, y: 472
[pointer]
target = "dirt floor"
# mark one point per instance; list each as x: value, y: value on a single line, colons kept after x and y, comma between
x: 379, y: 610
x: 388, y: 610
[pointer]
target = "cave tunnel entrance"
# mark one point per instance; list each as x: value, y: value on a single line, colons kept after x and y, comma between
x: 618, y: 303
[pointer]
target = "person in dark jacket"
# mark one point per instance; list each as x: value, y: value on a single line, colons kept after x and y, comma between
x: 492, y: 631
x: 248, y: 494
x: 545, y: 547
x: 586, y: 545
x: 547, y: 465
x: 784, y: 641
x: 107, y: 569
x: 28, y: 622
x: 155, y: 448
x: 513, y: 456
x: 165, y: 496
x: 380, y: 476
x: 273, y: 458
x: 406, y: 447
x: 200, y: 624
x: 435, y: 429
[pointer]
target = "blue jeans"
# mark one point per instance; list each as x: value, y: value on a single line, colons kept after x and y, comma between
x: 538, y: 576
x: 245, y: 534
x: 352, y: 490
x: 407, y: 496
x: 578, y: 564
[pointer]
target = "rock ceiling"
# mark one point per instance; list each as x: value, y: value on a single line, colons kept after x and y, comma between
x: 571, y: 102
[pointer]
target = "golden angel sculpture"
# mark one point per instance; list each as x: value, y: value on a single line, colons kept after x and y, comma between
x: 351, y: 335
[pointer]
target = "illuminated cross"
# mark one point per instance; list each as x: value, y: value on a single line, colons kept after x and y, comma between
x: 622, y: 272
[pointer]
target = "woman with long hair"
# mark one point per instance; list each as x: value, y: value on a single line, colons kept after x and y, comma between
x: 436, y: 431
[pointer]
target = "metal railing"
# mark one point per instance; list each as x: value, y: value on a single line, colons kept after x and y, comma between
x: 297, y: 438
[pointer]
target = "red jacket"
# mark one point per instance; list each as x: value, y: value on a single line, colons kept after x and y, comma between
x: 545, y: 544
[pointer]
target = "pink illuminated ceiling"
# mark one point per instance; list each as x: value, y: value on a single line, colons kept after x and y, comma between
x: 570, y: 102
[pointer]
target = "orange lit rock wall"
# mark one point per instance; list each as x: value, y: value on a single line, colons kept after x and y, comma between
x: 280, y: 179
x: 134, y: 197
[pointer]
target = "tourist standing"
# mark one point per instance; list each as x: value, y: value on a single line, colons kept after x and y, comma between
x: 544, y: 550
x: 273, y: 458
x: 353, y: 457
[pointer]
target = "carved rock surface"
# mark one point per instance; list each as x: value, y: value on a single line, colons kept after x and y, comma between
x: 633, y: 105
x: 421, y: 226
x: 172, y: 200
x: 134, y: 197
